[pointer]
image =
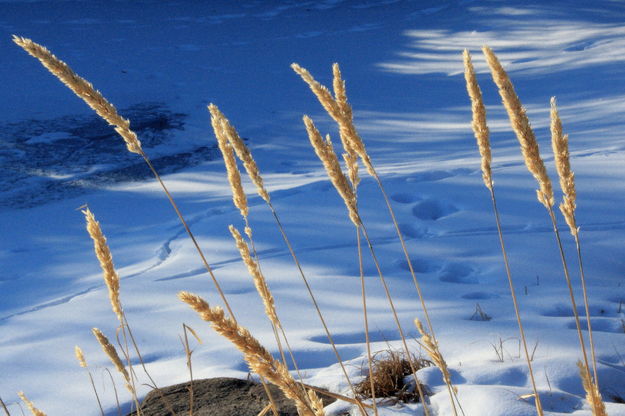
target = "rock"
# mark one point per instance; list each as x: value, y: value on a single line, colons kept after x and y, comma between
x: 217, y: 397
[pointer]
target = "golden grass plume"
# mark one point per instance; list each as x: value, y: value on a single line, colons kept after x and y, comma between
x: 242, y: 152
x: 431, y: 348
x: 259, y: 279
x: 522, y: 128
x: 593, y: 397
x: 83, y: 89
x: 227, y: 151
x: 560, y: 145
x: 316, y: 403
x: 31, y: 405
x: 258, y: 358
x: 80, y: 356
x: 103, y: 253
x: 480, y: 128
x: 339, y: 109
x: 325, y: 152
x: 111, y: 352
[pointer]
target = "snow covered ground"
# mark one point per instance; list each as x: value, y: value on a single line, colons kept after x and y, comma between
x: 163, y: 62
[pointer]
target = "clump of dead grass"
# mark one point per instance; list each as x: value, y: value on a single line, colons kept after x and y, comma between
x: 389, y: 370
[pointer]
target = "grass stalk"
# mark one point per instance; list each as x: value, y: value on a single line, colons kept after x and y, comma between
x: 586, y: 307
x: 119, y: 409
x: 229, y: 143
x: 111, y: 352
x: 325, y: 152
x: 4, y: 407
x: 365, y: 316
x: 531, y: 154
x: 83, y: 363
x: 257, y: 357
x: 528, y: 357
x: 422, y: 395
x: 225, y: 132
x: 30, y: 405
x: 314, y: 302
x: 111, y: 279
x: 560, y: 146
x: 340, y: 110
x: 481, y: 131
x: 569, y: 285
x: 188, y: 353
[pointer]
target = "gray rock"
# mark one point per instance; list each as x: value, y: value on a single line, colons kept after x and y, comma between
x: 217, y: 397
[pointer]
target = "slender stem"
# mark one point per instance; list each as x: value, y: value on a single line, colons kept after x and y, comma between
x: 257, y: 260
x: 297, y: 370
x: 272, y: 401
x: 4, y: 407
x: 539, y: 407
x: 274, y: 326
x: 187, y: 351
x: 394, y: 311
x: 201, y: 254
x: 126, y: 325
x: 314, y: 301
x: 188, y: 230
x: 95, y: 391
x: 452, y: 395
x: 408, y: 260
x: 125, y: 348
x: 366, y: 321
x: 570, y: 286
x: 586, y: 306
x: 119, y: 409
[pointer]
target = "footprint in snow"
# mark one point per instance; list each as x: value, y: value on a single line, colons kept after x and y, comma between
x: 419, y: 265
x: 613, y: 325
x: 433, y: 209
x: 458, y: 273
x: 358, y: 337
x: 405, y: 197
x: 412, y: 231
x: 437, y: 175
x: 596, y: 310
x: 480, y: 295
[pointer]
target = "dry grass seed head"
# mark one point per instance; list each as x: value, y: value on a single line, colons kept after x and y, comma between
x: 316, y: 403
x: 243, y: 153
x: 103, y: 253
x: 480, y: 128
x: 325, y: 152
x: 593, y: 397
x: 111, y: 352
x: 351, y: 140
x: 390, y: 368
x: 340, y: 110
x: 30, y: 405
x: 522, y: 128
x: 83, y: 89
x: 431, y: 347
x: 322, y: 93
x: 234, y: 176
x: 80, y: 356
x: 259, y: 279
x: 258, y: 358
x: 560, y: 145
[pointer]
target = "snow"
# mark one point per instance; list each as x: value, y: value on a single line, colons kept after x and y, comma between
x: 401, y: 60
